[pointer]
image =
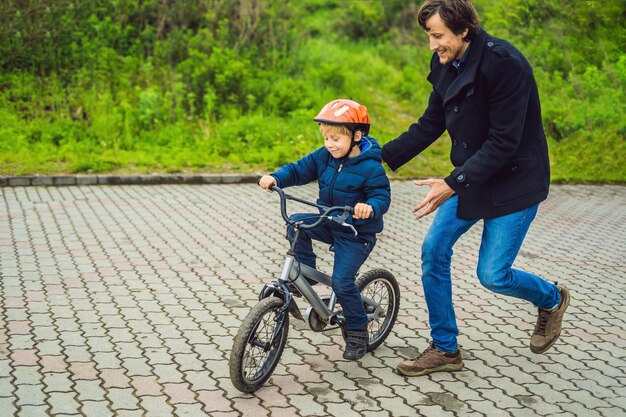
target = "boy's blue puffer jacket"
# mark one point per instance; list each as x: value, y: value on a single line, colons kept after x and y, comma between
x: 344, y: 182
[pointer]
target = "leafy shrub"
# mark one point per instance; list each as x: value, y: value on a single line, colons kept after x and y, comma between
x: 233, y: 85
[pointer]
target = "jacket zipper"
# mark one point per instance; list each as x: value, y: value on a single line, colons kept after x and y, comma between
x: 332, y: 184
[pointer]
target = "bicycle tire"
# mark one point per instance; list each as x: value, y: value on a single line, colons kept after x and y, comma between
x: 252, y: 360
x: 380, y: 285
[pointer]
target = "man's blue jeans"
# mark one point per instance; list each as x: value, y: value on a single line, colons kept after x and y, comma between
x: 501, y: 240
x: 350, y: 253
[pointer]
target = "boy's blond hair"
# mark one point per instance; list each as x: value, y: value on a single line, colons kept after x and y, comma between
x: 328, y: 129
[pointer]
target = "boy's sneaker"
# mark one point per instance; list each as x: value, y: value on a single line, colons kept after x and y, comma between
x: 548, y: 327
x: 356, y: 344
x: 431, y: 360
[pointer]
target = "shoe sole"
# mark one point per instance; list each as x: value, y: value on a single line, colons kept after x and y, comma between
x: 545, y: 349
x: 451, y: 367
x: 355, y: 358
x: 358, y: 356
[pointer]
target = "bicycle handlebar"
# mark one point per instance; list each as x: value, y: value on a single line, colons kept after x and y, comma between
x: 326, y: 210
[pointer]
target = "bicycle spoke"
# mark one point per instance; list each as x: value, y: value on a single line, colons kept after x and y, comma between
x: 256, y: 357
x: 258, y: 345
x: 380, y: 295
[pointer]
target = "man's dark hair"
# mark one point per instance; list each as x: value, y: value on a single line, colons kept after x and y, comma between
x: 458, y: 15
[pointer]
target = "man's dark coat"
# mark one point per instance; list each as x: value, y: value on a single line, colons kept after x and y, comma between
x: 492, y: 113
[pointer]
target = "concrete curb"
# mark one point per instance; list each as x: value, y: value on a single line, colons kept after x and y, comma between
x: 68, y: 180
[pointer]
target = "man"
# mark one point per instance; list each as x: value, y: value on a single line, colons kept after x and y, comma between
x: 484, y: 94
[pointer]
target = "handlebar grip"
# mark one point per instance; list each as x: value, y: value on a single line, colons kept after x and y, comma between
x: 272, y: 187
x: 350, y: 210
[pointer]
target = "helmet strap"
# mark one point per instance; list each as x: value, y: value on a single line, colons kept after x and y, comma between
x: 353, y: 143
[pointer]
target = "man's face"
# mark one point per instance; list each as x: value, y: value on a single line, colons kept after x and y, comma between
x: 443, y: 41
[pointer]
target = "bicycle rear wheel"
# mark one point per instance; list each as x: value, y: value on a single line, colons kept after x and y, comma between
x: 259, y: 344
x: 381, y: 287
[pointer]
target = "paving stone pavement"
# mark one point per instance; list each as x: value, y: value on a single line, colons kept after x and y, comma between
x: 124, y: 301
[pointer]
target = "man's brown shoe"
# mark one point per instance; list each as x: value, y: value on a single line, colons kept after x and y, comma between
x: 431, y: 360
x: 548, y: 327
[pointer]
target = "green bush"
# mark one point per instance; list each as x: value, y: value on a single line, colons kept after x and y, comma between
x: 215, y: 85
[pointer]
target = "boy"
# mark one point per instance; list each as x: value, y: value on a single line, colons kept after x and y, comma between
x: 349, y: 173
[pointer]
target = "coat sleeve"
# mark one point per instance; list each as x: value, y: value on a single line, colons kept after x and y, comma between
x: 378, y: 192
x: 300, y: 172
x: 509, y: 91
x: 419, y: 136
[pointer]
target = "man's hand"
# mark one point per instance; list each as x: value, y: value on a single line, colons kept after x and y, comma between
x: 439, y: 192
x: 266, y: 181
x: 362, y: 211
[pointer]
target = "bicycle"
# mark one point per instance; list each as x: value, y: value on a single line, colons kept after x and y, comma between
x: 262, y: 336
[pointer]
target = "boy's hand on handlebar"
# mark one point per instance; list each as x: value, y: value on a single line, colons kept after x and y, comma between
x: 362, y: 211
x: 266, y: 182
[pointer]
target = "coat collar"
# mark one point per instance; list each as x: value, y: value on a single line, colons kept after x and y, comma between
x: 449, y: 82
x: 370, y: 149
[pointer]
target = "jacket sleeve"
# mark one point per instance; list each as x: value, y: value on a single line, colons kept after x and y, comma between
x: 510, y: 85
x: 300, y: 172
x: 378, y: 192
x: 419, y: 136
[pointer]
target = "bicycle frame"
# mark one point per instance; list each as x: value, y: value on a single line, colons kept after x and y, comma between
x: 324, y: 311
x: 290, y: 274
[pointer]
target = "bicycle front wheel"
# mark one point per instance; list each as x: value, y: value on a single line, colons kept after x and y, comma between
x: 258, y: 345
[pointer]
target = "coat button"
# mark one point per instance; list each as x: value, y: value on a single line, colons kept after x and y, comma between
x: 490, y: 44
x: 465, y: 146
x: 460, y: 177
x: 456, y: 109
x: 467, y: 186
x: 514, y: 168
x: 448, y: 108
x: 454, y: 142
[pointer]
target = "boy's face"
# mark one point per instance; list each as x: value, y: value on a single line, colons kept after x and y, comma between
x: 338, y: 143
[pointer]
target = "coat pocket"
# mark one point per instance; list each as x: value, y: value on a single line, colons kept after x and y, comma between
x: 519, y: 179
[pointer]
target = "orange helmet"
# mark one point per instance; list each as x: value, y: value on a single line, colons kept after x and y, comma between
x: 347, y: 113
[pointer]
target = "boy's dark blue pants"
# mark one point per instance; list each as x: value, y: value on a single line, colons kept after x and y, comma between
x: 350, y: 253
